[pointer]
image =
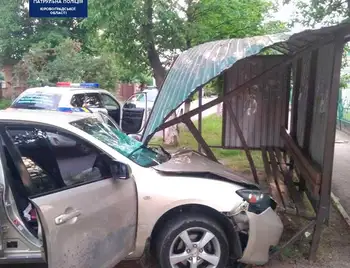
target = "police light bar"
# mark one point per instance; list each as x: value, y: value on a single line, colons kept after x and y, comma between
x: 74, y: 110
x: 83, y: 85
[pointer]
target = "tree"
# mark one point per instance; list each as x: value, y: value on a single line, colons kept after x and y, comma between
x: 46, y: 65
x: 15, y: 31
x: 147, y: 33
x: 325, y: 12
x: 19, y: 32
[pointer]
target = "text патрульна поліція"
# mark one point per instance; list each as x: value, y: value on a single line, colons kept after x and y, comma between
x: 58, y: 1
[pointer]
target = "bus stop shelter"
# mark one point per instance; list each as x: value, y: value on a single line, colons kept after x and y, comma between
x: 280, y: 97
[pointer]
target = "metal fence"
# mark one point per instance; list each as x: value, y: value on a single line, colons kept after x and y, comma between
x: 343, y: 112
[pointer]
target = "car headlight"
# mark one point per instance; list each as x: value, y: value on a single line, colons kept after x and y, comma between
x: 258, y: 201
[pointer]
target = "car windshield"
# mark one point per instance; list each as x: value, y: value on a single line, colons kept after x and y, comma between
x: 121, y: 142
x: 151, y: 96
x: 37, y: 100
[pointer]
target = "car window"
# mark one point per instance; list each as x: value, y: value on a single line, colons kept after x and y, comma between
x: 151, y: 96
x: 56, y: 160
x: 37, y: 100
x: 91, y: 100
x: 110, y: 121
x: 108, y: 101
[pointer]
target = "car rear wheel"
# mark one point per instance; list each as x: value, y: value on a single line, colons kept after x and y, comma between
x: 192, y: 241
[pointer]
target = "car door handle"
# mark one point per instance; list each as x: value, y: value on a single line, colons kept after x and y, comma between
x: 66, y: 217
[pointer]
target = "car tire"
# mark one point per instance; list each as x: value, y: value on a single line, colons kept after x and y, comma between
x: 170, y: 244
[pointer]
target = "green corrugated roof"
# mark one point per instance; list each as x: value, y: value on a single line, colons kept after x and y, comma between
x: 196, y: 67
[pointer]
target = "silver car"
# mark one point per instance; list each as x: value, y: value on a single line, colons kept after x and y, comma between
x: 121, y: 200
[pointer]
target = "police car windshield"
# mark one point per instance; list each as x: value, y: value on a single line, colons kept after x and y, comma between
x: 37, y: 100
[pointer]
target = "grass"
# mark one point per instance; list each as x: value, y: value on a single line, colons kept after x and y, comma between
x: 4, y: 103
x: 212, y: 134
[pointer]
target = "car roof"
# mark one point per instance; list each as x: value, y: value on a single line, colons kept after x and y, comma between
x: 63, y: 90
x: 42, y: 116
x: 151, y: 89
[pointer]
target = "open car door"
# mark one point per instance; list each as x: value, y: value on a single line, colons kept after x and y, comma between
x: 88, y: 220
x: 134, y: 114
x: 109, y: 120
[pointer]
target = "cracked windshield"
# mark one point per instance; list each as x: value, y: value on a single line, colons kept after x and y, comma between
x: 175, y: 133
x: 119, y: 141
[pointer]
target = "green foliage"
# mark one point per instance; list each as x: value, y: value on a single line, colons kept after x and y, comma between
x: 273, y: 27
x: 344, y: 81
x: 146, y: 34
x: 232, y: 19
x: 19, y: 32
x: 44, y: 65
x: 15, y: 31
x: 4, y: 103
x: 325, y: 12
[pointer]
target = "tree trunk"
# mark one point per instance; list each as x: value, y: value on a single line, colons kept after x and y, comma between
x: 8, y: 77
x: 152, y: 53
x: 171, y: 134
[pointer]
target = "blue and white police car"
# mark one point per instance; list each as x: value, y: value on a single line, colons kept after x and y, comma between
x: 83, y: 97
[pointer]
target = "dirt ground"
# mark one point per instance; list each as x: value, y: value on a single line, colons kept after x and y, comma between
x: 334, y: 250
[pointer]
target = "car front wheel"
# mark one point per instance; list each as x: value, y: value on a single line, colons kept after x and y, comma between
x: 192, y: 241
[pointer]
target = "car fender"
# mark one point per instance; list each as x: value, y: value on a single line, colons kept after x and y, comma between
x: 159, y: 195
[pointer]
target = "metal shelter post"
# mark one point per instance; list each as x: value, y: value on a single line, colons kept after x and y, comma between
x: 200, y: 91
x: 324, y: 203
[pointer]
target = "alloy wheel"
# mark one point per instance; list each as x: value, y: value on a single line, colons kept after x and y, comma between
x: 195, y: 247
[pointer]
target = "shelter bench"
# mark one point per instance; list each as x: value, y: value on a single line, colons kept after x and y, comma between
x: 287, y: 171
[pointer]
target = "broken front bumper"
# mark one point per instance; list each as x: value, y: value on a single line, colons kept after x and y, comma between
x: 264, y: 230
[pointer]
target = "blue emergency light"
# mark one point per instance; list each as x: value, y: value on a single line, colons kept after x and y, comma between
x: 74, y: 110
x: 93, y: 85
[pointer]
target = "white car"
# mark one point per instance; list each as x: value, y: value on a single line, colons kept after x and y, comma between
x: 146, y: 99
x: 122, y: 200
x: 71, y: 95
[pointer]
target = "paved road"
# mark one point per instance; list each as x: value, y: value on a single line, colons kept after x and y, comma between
x: 341, y: 169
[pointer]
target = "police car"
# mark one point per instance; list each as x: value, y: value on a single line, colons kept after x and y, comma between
x: 84, y: 97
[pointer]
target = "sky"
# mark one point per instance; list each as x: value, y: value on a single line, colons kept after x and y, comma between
x: 285, y: 13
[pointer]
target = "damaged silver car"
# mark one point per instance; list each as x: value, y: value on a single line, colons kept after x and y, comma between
x: 120, y: 199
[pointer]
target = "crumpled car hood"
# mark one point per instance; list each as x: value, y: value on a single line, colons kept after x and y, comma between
x: 187, y: 162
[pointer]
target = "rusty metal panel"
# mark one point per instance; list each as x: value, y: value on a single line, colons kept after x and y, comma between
x: 320, y: 110
x: 261, y: 109
x: 197, y: 66
x: 302, y: 98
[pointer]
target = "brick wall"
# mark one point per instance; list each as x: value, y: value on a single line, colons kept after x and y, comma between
x: 12, y: 87
x: 124, y: 91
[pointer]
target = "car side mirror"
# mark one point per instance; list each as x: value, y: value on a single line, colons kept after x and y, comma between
x: 120, y: 171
